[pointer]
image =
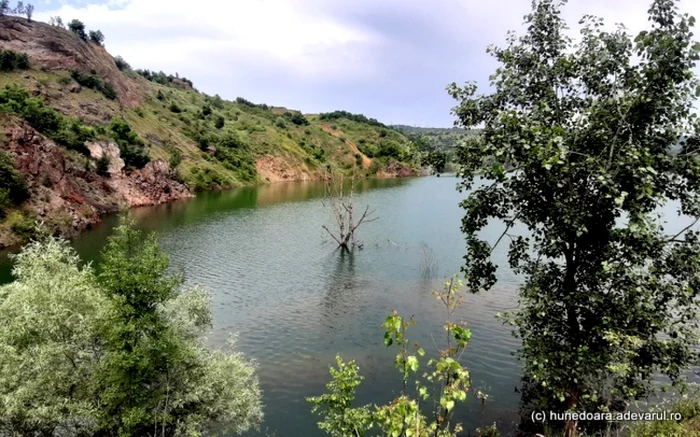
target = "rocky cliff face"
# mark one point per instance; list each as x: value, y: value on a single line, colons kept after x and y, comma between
x: 70, y: 196
x: 55, y: 49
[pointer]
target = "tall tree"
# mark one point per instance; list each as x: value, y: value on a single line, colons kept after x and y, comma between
x: 581, y: 143
x: 19, y: 9
x: 4, y: 7
x: 29, y: 11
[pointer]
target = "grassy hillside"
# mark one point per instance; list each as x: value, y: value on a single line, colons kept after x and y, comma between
x: 434, y: 137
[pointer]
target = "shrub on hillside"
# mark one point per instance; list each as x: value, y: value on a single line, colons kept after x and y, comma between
x: 102, y: 165
x: 97, y: 37
x: 131, y: 146
x: 90, y: 80
x: 121, y: 64
x: 65, y: 132
x: 77, y: 27
x: 219, y: 123
x: 335, y: 115
x: 296, y: 118
x: 11, y: 60
x: 13, y: 189
x: 174, y: 108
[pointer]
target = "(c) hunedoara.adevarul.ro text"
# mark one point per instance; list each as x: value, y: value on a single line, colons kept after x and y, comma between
x: 627, y: 416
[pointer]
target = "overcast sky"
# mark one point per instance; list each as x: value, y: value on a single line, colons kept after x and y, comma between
x: 387, y: 59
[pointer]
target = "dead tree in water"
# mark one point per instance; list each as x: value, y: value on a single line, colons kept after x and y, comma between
x: 343, y: 210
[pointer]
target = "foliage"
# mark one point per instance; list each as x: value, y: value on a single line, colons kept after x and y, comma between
x: 219, y: 122
x: 248, y: 103
x: 121, y: 63
x: 162, y: 78
x: 11, y: 60
x: 77, y: 27
x: 296, y: 118
x: 436, y: 159
x: 120, y: 352
x: 102, y: 165
x: 403, y: 416
x: 12, y: 185
x: 175, y: 158
x: 97, y: 37
x: 57, y: 21
x: 68, y: 133
x: 173, y: 107
x: 49, y: 337
x: 335, y: 115
x: 131, y: 146
x: 91, y: 81
x: 588, y: 131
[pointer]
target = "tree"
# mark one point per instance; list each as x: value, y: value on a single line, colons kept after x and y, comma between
x: 97, y: 37
x: 343, y: 208
x: 77, y: 27
x: 56, y: 21
x: 581, y: 143
x: 4, y: 7
x: 19, y: 9
x: 120, y: 352
x: 49, y: 337
x: 29, y: 11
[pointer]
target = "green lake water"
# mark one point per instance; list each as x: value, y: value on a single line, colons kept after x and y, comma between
x: 295, y: 302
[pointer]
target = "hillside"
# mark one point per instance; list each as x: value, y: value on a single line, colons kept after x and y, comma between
x: 435, y: 137
x: 82, y: 135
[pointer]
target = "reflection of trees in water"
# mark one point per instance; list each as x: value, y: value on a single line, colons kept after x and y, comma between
x: 340, y: 294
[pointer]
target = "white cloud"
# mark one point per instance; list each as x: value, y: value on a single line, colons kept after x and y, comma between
x: 170, y: 33
x: 389, y: 59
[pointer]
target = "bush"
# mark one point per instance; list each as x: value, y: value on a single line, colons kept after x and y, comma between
x: 347, y: 115
x: 12, y: 186
x: 78, y: 28
x: 296, y: 118
x: 90, y: 80
x: 120, y: 348
x: 219, y: 123
x: 97, y: 37
x: 175, y: 158
x: 131, y: 147
x: 121, y: 64
x: 102, y: 165
x: 65, y: 132
x: 22, y: 225
x: 11, y: 60
x: 174, y: 108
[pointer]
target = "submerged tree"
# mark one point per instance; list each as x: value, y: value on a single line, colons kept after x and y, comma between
x: 342, y: 206
x: 582, y: 142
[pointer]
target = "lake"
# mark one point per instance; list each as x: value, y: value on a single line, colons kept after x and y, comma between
x: 295, y: 301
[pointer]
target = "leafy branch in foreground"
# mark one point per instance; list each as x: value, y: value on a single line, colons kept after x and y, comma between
x: 445, y: 382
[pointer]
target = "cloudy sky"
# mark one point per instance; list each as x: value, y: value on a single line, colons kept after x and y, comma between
x: 387, y: 59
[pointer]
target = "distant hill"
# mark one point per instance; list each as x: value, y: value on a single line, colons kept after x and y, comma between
x: 436, y: 137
